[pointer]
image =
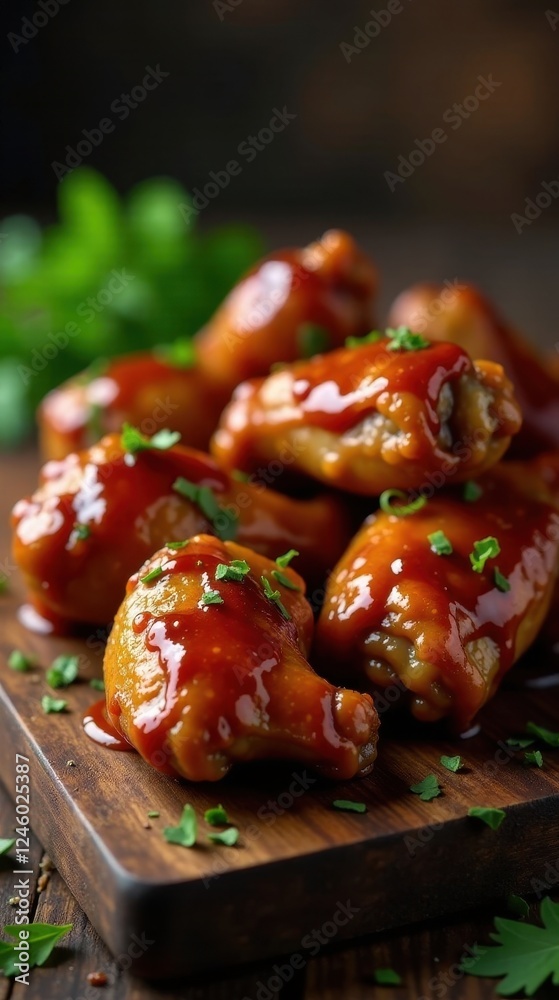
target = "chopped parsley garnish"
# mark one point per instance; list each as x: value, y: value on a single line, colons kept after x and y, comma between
x: 451, y: 763
x: 40, y: 941
x: 401, y: 509
x: 472, y: 491
x: 227, y: 837
x: 53, y: 704
x: 177, y: 545
x: 133, y: 440
x: 370, y: 338
x: 275, y: 597
x: 97, y: 684
x: 81, y: 531
x: 153, y: 814
x: 387, y: 977
x: 234, y: 572
x: 501, y: 581
x: 347, y: 805
x: 546, y: 735
x: 284, y: 560
x: 427, y: 789
x: 180, y: 354
x: 19, y: 661
x: 312, y: 339
x: 6, y: 845
x: 440, y: 544
x: 525, y: 955
x: 224, y: 522
x: 216, y: 816
x: 212, y: 597
x: 518, y: 742
x: 518, y: 905
x: 185, y: 833
x: 284, y: 580
x: 491, y: 817
x: 63, y: 671
x: 403, y: 339
x: 534, y: 757
x: 152, y: 575
x: 484, y: 549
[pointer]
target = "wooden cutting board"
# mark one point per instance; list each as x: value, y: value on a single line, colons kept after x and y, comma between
x: 303, y: 874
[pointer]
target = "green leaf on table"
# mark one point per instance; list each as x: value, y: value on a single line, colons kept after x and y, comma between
x: 6, y: 845
x: 427, y: 789
x: 451, y: 763
x: 228, y: 838
x: 185, y: 833
x: 41, y: 939
x: 216, y: 816
x: 348, y: 805
x: 534, y: 757
x: 20, y: 661
x: 546, y: 735
x: 63, y: 671
x: 53, y: 705
x: 97, y: 683
x: 387, y: 977
x: 526, y: 955
x: 491, y: 817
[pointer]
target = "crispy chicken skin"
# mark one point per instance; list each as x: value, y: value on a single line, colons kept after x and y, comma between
x: 197, y: 687
x: 463, y: 316
x: 396, y: 613
x: 368, y: 418
x: 330, y: 284
x: 97, y: 515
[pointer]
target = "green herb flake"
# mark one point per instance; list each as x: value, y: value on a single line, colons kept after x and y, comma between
x: 81, y: 531
x: 427, y: 789
x: 97, y: 684
x: 491, y: 817
x: 234, y: 572
x: 132, y: 440
x: 545, y: 735
x: 51, y: 705
x: 153, y: 574
x: 185, y: 833
x: 501, y: 581
x: 177, y: 545
x: 370, y: 338
x: 484, y: 549
x: 440, y: 544
x: 153, y: 814
x: 401, y: 509
x: 284, y: 560
x: 403, y: 339
x: 534, y: 757
x: 223, y: 521
x: 451, y: 763
x: 63, y: 671
x: 275, y: 597
x: 387, y: 977
x: 347, y: 805
x: 284, y: 580
x: 20, y: 662
x: 472, y: 491
x: 518, y: 906
x: 227, y: 837
x: 3, y: 583
x: 212, y: 597
x: 312, y: 339
x: 216, y: 816
x: 525, y: 955
x: 6, y: 845
x: 41, y: 941
x: 519, y: 742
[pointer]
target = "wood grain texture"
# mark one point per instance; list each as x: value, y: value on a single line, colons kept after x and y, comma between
x: 298, y: 859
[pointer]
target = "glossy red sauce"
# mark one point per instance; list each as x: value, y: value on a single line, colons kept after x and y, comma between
x: 99, y: 729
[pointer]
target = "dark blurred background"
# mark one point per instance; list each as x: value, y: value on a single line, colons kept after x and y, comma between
x: 365, y: 82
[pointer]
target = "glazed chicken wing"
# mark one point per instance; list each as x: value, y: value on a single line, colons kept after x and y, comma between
x: 206, y: 667
x: 99, y: 514
x: 444, y: 601
x: 292, y: 303
x: 463, y: 316
x: 368, y: 418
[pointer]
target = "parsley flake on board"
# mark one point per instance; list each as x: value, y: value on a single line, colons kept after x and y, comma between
x: 348, y: 805
x: 185, y: 833
x: 484, y: 549
x: 97, y: 684
x: 491, y: 817
x: 216, y: 816
x: 227, y: 837
x: 132, y: 440
x: 402, y: 509
x: 51, y: 705
x: 451, y: 763
x: 427, y: 789
x: 223, y: 521
x: 534, y: 757
x: 525, y: 955
x: 275, y: 597
x: 387, y: 977
x: 440, y: 544
x: 20, y: 661
x: 546, y: 735
x: 63, y: 671
x: 41, y: 939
